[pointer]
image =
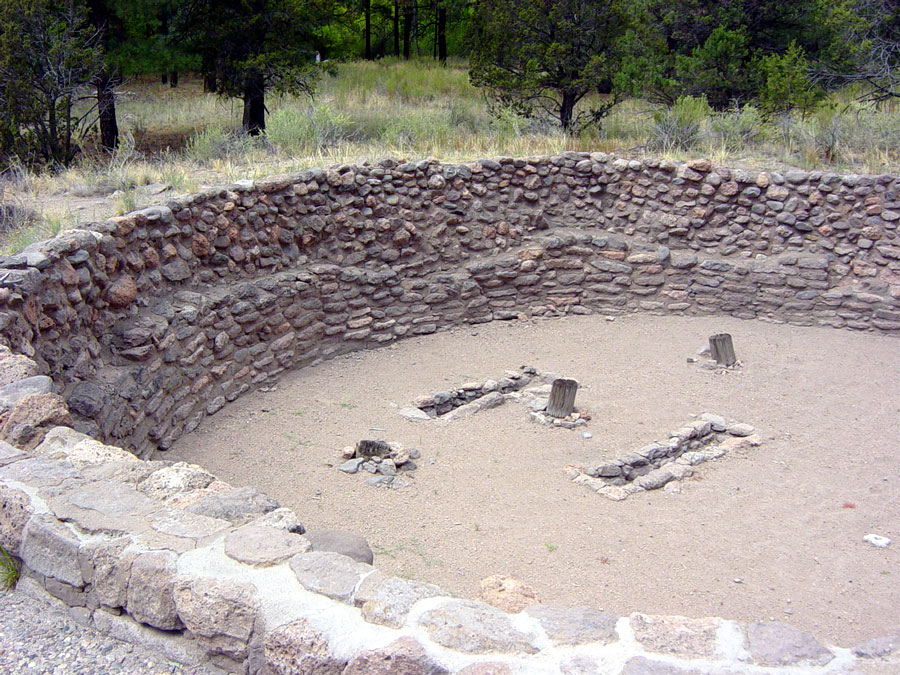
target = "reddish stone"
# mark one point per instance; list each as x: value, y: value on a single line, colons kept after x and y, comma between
x: 507, y: 593
x: 151, y: 257
x: 200, y: 246
x: 121, y: 292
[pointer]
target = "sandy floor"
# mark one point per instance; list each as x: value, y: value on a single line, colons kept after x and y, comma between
x: 775, y: 532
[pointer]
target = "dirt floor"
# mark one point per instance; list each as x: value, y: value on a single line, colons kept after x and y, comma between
x: 775, y: 532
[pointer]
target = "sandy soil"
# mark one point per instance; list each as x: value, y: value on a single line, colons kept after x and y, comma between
x: 774, y: 532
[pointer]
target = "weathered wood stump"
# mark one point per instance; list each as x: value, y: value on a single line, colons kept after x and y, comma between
x: 562, y: 397
x: 721, y: 349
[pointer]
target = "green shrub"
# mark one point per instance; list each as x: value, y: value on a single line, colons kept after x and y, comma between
x: 785, y: 82
x: 737, y: 129
x: 215, y: 142
x: 678, y: 126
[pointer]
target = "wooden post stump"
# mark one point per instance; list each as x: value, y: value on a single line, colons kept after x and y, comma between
x: 721, y: 349
x: 562, y: 397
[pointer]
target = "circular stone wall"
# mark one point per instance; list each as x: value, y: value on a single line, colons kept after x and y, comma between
x: 148, y: 323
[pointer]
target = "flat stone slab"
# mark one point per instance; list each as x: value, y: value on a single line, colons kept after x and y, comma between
x: 327, y: 573
x: 40, y: 472
x: 105, y: 507
x: 263, y: 546
x: 575, y: 625
x: 777, y: 644
x: 475, y: 628
x: 655, y: 479
x: 178, y: 523
x: 676, y: 634
x: 12, y: 393
x: 339, y: 541
x: 237, y: 505
x: 414, y: 414
x: 392, y: 599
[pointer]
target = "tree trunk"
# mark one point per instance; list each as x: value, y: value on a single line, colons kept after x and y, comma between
x: 173, y: 79
x: 208, y: 70
x: 396, y: 19
x: 407, y: 28
x: 254, y: 119
x: 442, y: 33
x: 106, y: 111
x: 367, y: 11
x: 164, y: 78
x: 566, y: 110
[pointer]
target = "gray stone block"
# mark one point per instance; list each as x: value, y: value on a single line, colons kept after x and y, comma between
x: 150, y: 597
x: 221, y: 612
x: 330, y: 574
x: 237, y: 505
x: 575, y: 625
x: 50, y: 547
x: 338, y: 541
x: 777, y: 644
x: 475, y: 628
x: 392, y: 599
x: 263, y: 546
x: 297, y: 648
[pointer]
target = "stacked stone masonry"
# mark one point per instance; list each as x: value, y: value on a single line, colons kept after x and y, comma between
x: 131, y: 331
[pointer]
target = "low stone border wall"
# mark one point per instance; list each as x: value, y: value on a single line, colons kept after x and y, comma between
x: 131, y: 331
x: 653, y: 466
x: 438, y: 403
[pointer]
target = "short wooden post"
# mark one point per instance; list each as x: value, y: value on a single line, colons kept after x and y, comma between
x: 562, y: 397
x: 721, y: 349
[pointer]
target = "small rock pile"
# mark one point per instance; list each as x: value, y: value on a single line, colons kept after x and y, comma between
x: 655, y: 465
x: 383, y: 460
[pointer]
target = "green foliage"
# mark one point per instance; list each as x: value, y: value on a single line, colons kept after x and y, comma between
x: 563, y: 50
x: 9, y: 571
x: 717, y: 69
x: 865, y: 48
x: 48, y: 56
x: 786, y: 84
x: 139, y: 39
x: 252, y: 47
